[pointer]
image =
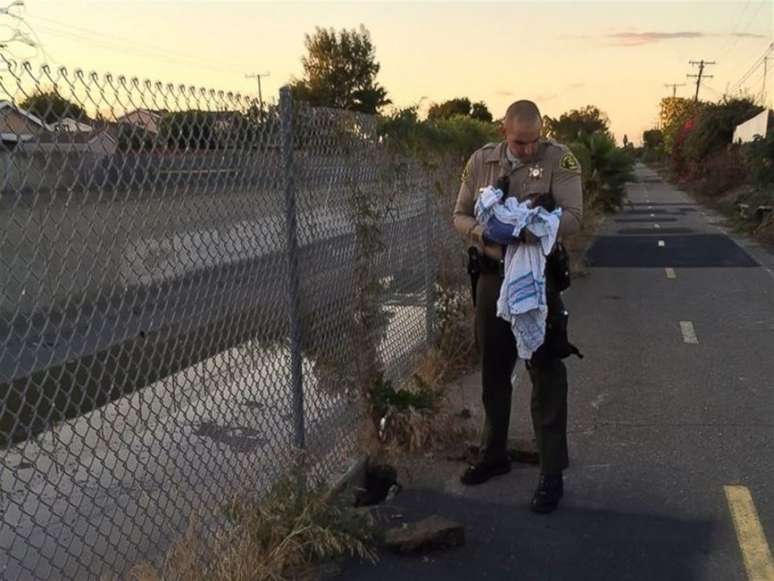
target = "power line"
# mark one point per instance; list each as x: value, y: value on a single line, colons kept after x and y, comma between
x: 260, y: 94
x: 701, y: 64
x: 712, y: 89
x: 117, y: 43
x: 754, y: 67
x: 28, y: 36
x: 733, y: 36
x: 674, y: 87
x: 740, y: 34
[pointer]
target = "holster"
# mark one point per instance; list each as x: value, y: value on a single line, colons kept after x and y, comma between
x: 556, y: 343
x: 558, y: 268
x: 474, y: 270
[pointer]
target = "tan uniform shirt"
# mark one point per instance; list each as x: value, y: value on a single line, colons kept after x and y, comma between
x: 554, y: 170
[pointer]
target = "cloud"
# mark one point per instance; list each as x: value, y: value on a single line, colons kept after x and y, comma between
x: 504, y: 93
x: 640, y: 38
x: 564, y: 90
x: 748, y: 35
x: 544, y: 98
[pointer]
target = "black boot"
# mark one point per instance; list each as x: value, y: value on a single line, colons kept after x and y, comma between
x: 549, y: 491
x: 483, y: 470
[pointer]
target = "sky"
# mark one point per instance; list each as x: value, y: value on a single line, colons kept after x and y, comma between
x: 563, y: 55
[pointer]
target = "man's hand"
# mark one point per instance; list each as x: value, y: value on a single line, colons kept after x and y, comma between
x: 528, y: 237
x: 498, y: 232
x: 545, y: 201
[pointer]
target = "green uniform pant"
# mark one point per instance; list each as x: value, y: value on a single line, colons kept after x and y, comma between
x: 549, y: 385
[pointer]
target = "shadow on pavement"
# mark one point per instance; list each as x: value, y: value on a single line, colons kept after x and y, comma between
x: 508, y: 542
x: 681, y: 251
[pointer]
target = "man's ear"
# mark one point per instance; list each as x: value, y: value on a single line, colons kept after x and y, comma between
x: 502, y: 130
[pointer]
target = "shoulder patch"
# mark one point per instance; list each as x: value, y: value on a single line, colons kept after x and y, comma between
x: 569, y: 162
x: 465, y: 173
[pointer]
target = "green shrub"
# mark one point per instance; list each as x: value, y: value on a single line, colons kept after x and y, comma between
x: 759, y: 156
x: 714, y: 128
x: 606, y: 169
x: 458, y: 136
x: 721, y: 171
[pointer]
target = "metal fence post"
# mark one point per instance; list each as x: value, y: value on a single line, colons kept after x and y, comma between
x: 428, y: 267
x: 291, y: 222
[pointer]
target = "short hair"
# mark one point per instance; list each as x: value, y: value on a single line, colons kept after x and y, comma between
x: 523, y: 111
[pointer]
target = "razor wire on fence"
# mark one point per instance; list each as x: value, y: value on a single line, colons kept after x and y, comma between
x: 195, y: 287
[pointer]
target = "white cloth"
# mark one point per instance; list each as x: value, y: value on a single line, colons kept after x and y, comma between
x: 522, y: 300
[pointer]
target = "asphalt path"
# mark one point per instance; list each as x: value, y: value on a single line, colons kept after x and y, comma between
x: 671, y: 420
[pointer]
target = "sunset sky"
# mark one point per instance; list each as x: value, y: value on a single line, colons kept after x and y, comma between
x: 616, y: 55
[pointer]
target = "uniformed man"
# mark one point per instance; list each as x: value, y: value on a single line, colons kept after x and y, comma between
x: 534, y: 166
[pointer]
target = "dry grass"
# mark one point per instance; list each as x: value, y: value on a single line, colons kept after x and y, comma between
x: 421, y: 417
x: 765, y: 232
x: 417, y: 416
x: 722, y: 197
x: 275, y: 538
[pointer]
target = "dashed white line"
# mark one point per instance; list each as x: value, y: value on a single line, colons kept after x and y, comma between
x: 661, y: 243
x: 689, y: 333
x: 599, y: 400
x: 657, y: 226
x: 670, y: 273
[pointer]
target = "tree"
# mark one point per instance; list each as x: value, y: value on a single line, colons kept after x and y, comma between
x: 715, y: 125
x: 458, y: 137
x: 606, y: 168
x: 189, y: 130
x: 481, y: 112
x: 340, y: 71
x: 674, y: 112
x: 447, y: 109
x: 459, y: 106
x: 574, y: 124
x: 51, y: 107
x: 652, y: 139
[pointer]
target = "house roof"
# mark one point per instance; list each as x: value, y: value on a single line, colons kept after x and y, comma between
x: 153, y: 112
x: 36, y: 120
x: 79, y: 137
x: 72, y: 124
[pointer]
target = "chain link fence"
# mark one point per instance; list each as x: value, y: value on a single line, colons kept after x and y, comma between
x: 195, y: 286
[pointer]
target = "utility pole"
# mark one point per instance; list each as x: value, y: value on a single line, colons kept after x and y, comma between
x: 260, y: 94
x: 674, y: 87
x: 763, y: 86
x: 701, y: 64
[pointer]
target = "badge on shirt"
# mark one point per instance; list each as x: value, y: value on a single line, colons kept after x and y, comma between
x: 535, y: 172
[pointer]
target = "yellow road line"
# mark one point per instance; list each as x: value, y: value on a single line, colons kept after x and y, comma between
x: 749, y: 532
